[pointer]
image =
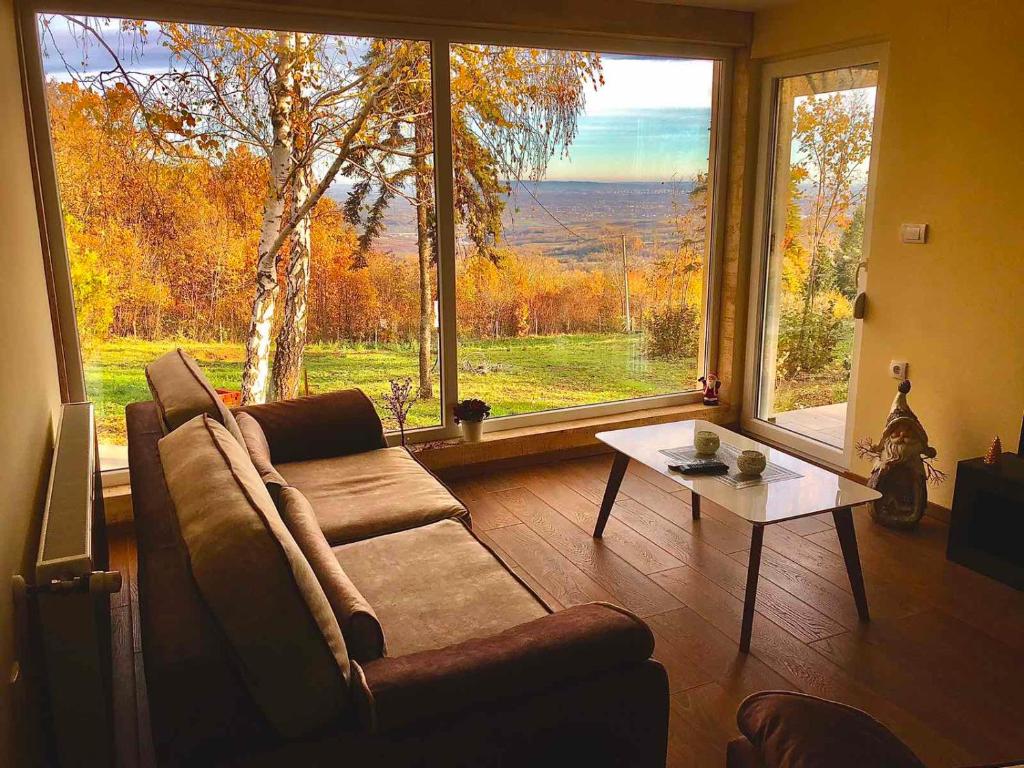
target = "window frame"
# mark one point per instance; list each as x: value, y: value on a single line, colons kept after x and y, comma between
x: 440, y: 37
x: 838, y: 458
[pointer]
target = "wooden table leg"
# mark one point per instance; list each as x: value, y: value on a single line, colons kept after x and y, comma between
x: 848, y: 541
x: 611, y: 491
x: 695, y: 505
x: 753, y: 569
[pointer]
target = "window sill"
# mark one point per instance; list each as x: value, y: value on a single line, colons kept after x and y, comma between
x: 452, y: 459
x: 523, y: 445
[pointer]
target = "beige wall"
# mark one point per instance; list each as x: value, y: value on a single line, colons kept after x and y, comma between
x: 29, y: 394
x: 951, y: 154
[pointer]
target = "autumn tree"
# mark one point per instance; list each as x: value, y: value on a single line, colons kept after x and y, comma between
x: 832, y: 135
x: 513, y: 109
x: 299, y: 101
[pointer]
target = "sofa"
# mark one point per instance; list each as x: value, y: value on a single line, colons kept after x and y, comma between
x: 786, y: 729
x: 310, y: 596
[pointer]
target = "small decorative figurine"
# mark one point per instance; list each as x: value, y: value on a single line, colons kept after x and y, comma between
x: 711, y: 384
x: 902, y: 467
x: 995, y: 452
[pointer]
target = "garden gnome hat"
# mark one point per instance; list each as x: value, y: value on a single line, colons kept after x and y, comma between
x: 900, y: 414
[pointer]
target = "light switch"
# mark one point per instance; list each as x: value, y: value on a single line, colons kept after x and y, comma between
x: 915, y: 234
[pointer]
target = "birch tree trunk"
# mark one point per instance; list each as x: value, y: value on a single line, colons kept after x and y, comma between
x: 257, y: 345
x: 424, y: 199
x: 291, y: 338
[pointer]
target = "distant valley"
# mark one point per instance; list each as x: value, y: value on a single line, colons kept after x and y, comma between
x: 572, y: 221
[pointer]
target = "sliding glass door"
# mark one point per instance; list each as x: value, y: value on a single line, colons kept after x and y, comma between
x: 818, y: 130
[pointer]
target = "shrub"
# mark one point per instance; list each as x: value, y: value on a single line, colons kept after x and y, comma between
x: 809, y: 342
x: 671, y: 332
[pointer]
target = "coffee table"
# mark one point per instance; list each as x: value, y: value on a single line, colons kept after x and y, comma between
x: 814, y: 491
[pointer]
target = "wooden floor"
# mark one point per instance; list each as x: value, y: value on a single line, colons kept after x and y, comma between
x: 941, y: 663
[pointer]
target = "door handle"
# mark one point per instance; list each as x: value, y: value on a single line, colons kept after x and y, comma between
x: 860, y: 305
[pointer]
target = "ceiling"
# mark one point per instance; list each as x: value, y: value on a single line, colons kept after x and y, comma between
x: 730, y: 5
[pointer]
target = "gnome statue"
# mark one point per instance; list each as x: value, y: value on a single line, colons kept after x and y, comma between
x: 902, y: 468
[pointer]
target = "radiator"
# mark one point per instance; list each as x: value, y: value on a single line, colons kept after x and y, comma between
x: 71, y: 597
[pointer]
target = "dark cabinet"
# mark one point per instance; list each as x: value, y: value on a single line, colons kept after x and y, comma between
x: 986, y: 531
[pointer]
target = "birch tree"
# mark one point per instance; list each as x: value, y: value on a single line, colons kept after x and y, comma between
x: 301, y: 101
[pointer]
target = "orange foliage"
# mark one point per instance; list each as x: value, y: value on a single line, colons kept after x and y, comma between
x: 165, y: 246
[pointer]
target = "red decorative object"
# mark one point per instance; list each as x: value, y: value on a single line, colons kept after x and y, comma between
x: 230, y: 397
x: 711, y: 384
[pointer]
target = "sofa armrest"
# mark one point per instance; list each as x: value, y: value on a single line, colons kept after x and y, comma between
x: 796, y: 730
x: 319, y: 426
x: 585, y: 640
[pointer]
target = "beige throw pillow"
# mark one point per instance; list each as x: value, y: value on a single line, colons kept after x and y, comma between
x: 182, y: 392
x: 255, y: 580
x: 364, y: 635
x: 259, y: 451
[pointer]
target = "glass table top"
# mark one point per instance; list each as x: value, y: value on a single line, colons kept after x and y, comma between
x: 816, y: 490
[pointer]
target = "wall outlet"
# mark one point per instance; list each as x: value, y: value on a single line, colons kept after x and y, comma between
x: 898, y: 369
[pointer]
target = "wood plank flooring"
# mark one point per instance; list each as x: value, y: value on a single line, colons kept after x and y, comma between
x: 940, y: 663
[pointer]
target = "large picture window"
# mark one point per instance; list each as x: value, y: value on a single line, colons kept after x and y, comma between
x: 269, y: 201
x: 581, y: 195
x: 222, y: 190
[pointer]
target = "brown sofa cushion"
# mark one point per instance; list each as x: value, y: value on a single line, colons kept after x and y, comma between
x: 436, y: 585
x: 256, y: 443
x: 363, y: 634
x: 319, y: 426
x: 182, y: 392
x: 793, y: 730
x: 260, y: 588
x: 372, y: 493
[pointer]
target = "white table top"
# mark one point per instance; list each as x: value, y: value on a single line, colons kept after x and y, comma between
x: 817, y: 490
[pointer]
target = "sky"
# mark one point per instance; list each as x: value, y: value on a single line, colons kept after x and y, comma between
x: 650, y: 121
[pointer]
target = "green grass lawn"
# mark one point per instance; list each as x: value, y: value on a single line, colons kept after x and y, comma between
x: 514, y: 375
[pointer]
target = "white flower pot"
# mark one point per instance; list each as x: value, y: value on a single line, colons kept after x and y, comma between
x: 471, y: 431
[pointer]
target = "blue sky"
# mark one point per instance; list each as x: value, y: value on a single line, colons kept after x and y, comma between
x: 650, y: 121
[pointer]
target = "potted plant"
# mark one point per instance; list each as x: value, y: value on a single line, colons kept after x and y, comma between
x: 471, y: 414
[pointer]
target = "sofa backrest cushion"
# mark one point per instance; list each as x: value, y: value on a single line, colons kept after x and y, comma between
x: 364, y: 636
x: 182, y: 392
x: 259, y: 451
x: 258, y: 585
x: 319, y: 426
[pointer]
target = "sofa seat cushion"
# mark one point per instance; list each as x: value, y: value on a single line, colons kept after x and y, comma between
x: 182, y: 392
x: 371, y: 493
x: 436, y: 585
x: 260, y: 588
